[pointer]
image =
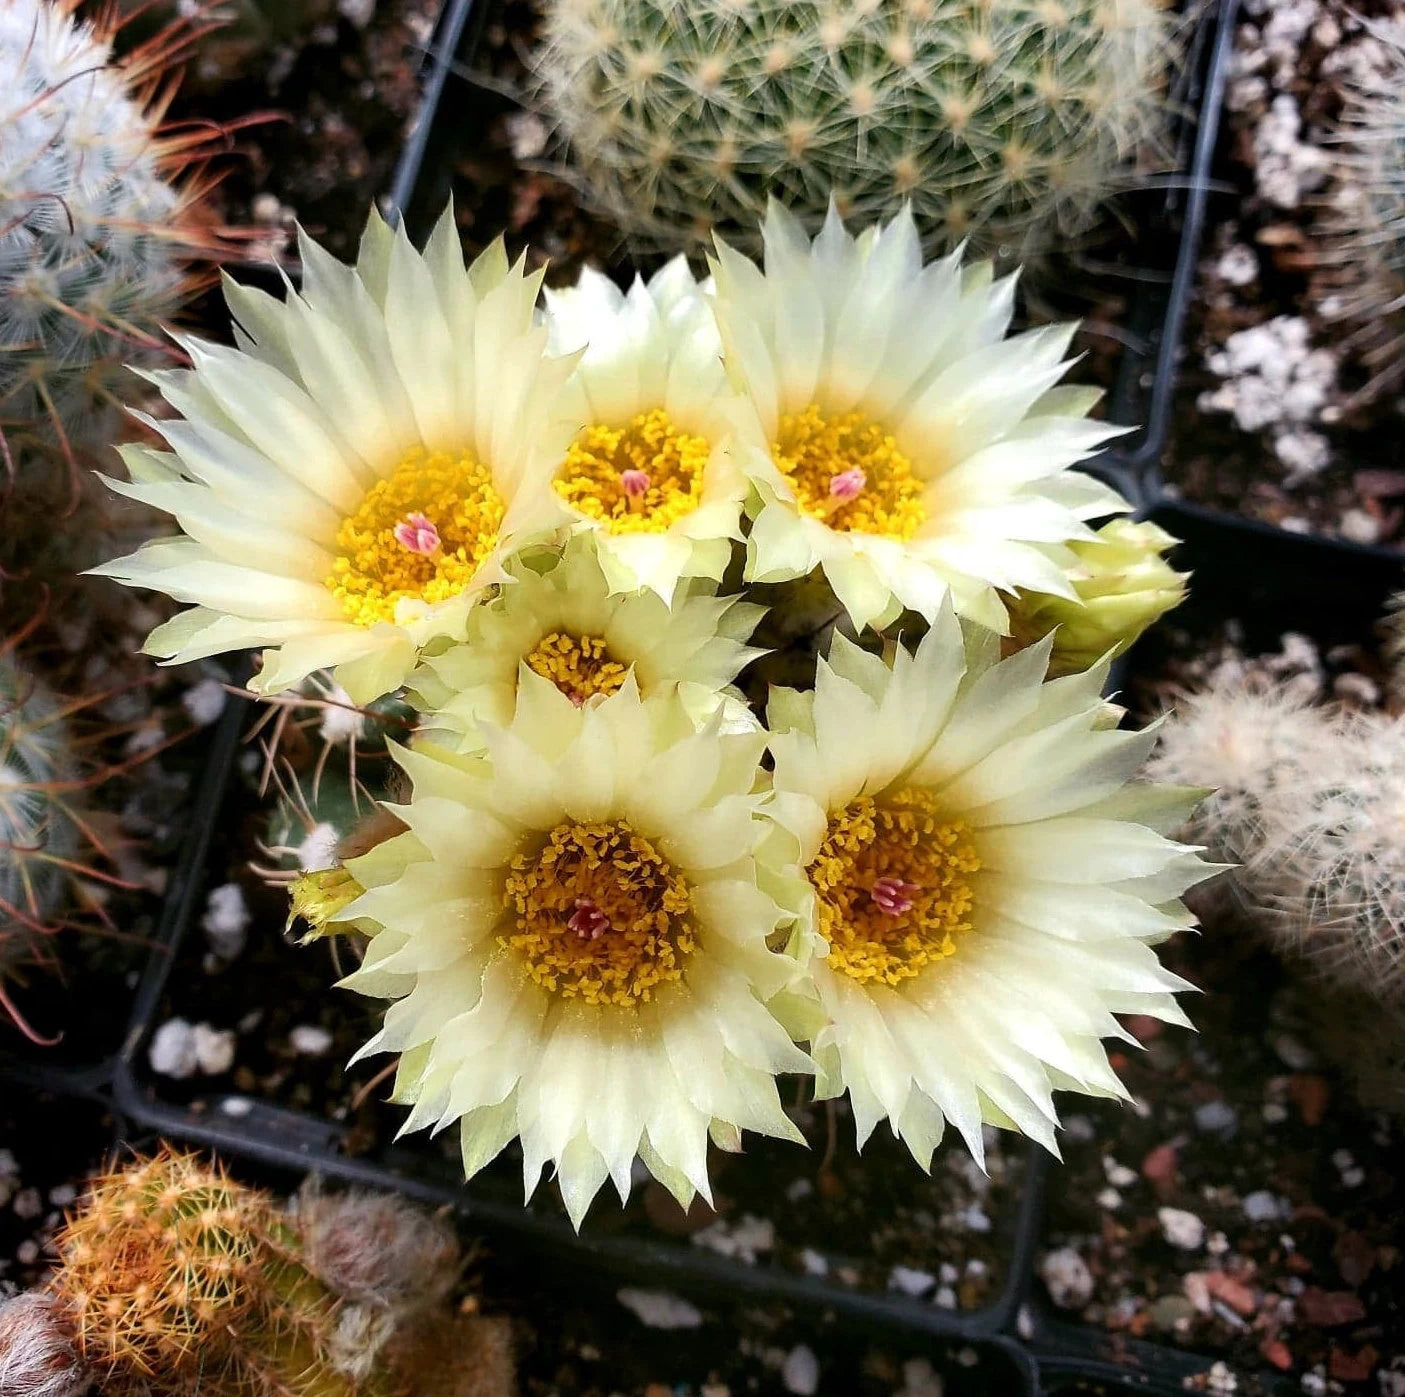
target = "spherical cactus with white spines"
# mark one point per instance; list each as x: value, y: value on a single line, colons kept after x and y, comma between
x: 38, y: 836
x: 95, y: 239
x: 1362, y: 225
x: 1332, y: 862
x: 1008, y: 124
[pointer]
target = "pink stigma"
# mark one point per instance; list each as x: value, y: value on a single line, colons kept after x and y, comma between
x: 416, y: 534
x: 847, y: 485
x: 893, y: 896
x: 635, y: 484
x: 588, y: 921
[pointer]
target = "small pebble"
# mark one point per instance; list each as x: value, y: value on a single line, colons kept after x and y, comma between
x: 658, y: 1309
x: 310, y: 1040
x: 1216, y: 1118
x: 28, y: 1204
x: 62, y: 1195
x: 1220, y: 1380
x: 975, y: 1219
x: 945, y: 1298
x: 1181, y: 1229
x: 27, y: 1253
x: 214, y: 1049
x: 920, y: 1379
x: 226, y: 921
x: 801, y: 1371
x: 171, y: 1052
x: 1291, y: 1052
x: 1109, y: 1200
x: 204, y: 701
x: 1262, y: 1206
x: 814, y: 1263
x: 1360, y: 526
x: 910, y: 1281
x: 1274, y: 1112
x: 1171, y: 1312
x: 1118, y: 1175
x: 1069, y: 1281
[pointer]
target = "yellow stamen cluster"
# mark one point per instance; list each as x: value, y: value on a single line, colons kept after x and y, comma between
x: 900, y: 837
x: 644, y: 901
x: 374, y: 571
x: 590, y: 477
x: 812, y: 449
x: 580, y: 666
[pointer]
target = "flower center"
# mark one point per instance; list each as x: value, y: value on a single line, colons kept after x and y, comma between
x: 599, y: 915
x: 893, y: 883
x: 580, y: 666
x: 849, y: 472
x: 639, y: 478
x: 419, y: 534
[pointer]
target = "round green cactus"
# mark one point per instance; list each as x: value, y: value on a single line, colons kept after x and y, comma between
x: 1007, y: 124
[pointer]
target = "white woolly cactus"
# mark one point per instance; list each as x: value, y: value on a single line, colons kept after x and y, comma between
x: 94, y: 239
x: 1311, y: 803
x: 1247, y: 747
x: 1332, y: 863
x: 1008, y: 123
x: 1363, y: 224
x: 38, y: 837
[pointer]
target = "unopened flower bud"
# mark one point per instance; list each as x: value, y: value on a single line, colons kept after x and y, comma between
x: 1123, y: 582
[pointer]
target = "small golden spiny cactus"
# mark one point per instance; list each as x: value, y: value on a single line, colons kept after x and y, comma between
x: 179, y: 1281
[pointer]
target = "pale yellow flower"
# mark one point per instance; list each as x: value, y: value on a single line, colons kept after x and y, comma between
x: 350, y: 477
x: 577, y: 946
x: 560, y: 620
x: 917, y: 453
x: 983, y: 883
x: 659, y: 466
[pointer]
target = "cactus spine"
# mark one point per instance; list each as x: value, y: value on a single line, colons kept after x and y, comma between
x: 1008, y: 124
x: 95, y: 239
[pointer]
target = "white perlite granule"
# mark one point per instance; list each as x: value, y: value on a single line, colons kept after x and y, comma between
x: 226, y: 921
x: 1273, y: 380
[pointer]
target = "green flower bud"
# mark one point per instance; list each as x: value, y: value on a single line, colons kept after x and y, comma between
x: 1123, y: 584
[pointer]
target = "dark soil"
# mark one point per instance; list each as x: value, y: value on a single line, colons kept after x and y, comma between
x: 339, y: 99
x: 1360, y: 494
x: 1296, y: 1262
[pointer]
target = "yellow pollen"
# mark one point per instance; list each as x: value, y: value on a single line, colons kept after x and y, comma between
x: 580, y: 666
x: 921, y: 866
x: 590, y: 477
x: 815, y: 451
x: 599, y: 915
x: 374, y: 570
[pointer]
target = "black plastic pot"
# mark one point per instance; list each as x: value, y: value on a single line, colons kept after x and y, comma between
x: 1150, y: 369
x: 284, y: 1139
